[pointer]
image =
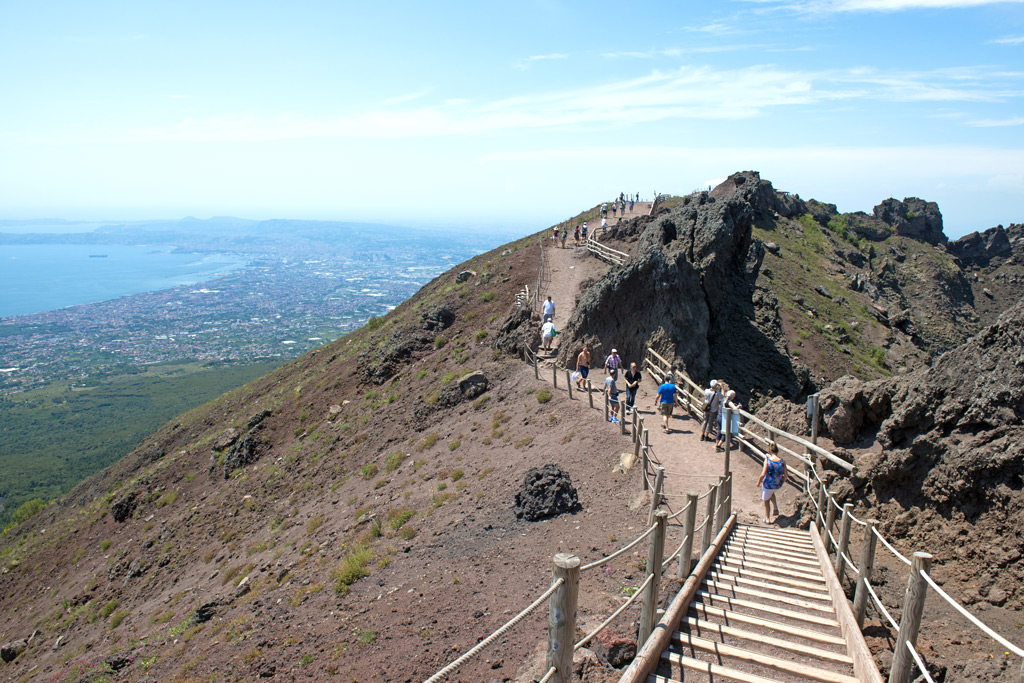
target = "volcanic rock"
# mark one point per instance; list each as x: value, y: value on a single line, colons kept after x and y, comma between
x: 547, y: 492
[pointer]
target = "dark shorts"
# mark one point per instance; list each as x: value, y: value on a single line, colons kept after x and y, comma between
x: 667, y: 408
x: 584, y: 371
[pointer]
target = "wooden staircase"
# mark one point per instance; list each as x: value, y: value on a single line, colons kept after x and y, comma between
x: 767, y: 608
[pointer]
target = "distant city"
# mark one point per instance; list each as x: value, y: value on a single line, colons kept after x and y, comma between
x: 306, y: 283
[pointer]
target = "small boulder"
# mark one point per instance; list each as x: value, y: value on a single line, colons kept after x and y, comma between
x: 473, y: 384
x: 772, y: 247
x: 10, y: 651
x: 547, y: 492
x: 122, y: 508
x: 333, y: 411
x: 464, y: 275
x: 227, y: 439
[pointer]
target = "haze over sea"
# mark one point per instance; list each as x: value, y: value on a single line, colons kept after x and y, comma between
x: 45, y: 277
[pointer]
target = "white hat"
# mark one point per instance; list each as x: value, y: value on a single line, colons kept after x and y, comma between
x: 615, y: 350
x: 714, y: 382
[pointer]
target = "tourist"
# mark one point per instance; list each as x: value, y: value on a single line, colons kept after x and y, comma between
x: 604, y: 210
x: 613, y: 397
x: 547, y: 333
x: 604, y: 224
x: 666, y: 402
x: 773, y: 476
x: 554, y: 234
x: 583, y: 231
x: 632, y: 384
x: 612, y: 363
x: 576, y: 235
x: 549, y: 310
x: 710, y: 409
x: 583, y: 366
x: 671, y: 375
x: 564, y: 235
x: 615, y: 206
x: 728, y: 402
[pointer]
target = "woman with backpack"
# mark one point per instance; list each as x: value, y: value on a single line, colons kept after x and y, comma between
x: 773, y: 476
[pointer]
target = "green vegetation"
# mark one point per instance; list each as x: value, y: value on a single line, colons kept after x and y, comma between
x: 369, y: 470
x: 352, y: 568
x: 28, y: 509
x: 375, y: 323
x: 56, y: 436
x: 394, y: 460
x: 398, y: 517
x: 543, y: 395
x: 489, y: 296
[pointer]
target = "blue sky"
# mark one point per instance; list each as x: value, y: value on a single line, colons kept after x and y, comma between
x: 504, y: 114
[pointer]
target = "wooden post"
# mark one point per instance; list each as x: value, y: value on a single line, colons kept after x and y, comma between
x: 649, y: 601
x: 867, y: 563
x: 659, y: 483
x: 830, y: 523
x: 844, y: 540
x: 568, y: 382
x: 536, y: 365
x: 689, y: 524
x: 646, y: 462
x: 720, y: 505
x: 636, y: 451
x: 590, y: 393
x: 728, y: 498
x: 622, y: 418
x: 820, y: 516
x: 728, y: 437
x: 636, y: 421
x: 709, y: 513
x: 910, y: 622
x: 554, y: 375
x: 562, y: 616
x: 605, y: 406
x: 647, y: 439
x: 815, y: 418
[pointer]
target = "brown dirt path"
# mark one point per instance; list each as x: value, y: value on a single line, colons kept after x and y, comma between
x: 690, y: 464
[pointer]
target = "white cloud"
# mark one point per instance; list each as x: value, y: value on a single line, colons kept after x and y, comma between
x: 997, y: 123
x: 525, y: 63
x: 826, y: 6
x: 1016, y: 40
x: 684, y: 93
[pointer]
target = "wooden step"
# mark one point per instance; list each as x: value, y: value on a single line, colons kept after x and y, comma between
x: 739, y: 562
x: 809, y: 562
x: 771, y: 597
x: 724, y: 630
x: 771, y: 584
x: 763, y: 538
x: 768, y: 576
x: 722, y: 650
x: 767, y: 546
x: 777, y: 531
x: 760, y: 607
x: 742, y: 617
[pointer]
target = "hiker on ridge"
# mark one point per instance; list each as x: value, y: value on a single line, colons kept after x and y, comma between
x: 549, y: 310
x: 612, y: 363
x: 633, y: 378
x: 712, y: 399
x: 583, y: 367
x: 666, y: 402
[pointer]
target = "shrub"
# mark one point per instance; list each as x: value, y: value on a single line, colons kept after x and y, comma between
x: 28, y: 509
x: 375, y: 323
x: 480, y: 335
x: 167, y: 498
x: 439, y: 341
x: 314, y: 523
x: 352, y: 568
x: 369, y: 470
x: 878, y: 356
x: 109, y: 608
x: 118, y: 617
x: 457, y: 474
x: 452, y: 445
x: 543, y: 395
x: 398, y: 517
x: 105, y: 545
x: 407, y: 533
x: 489, y: 296
x: 393, y: 461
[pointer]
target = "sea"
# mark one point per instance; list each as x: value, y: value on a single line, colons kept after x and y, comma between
x: 45, y: 277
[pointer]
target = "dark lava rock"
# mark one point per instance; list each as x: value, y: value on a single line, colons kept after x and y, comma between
x: 10, y: 651
x: 616, y: 649
x: 244, y: 451
x: 521, y: 330
x: 257, y: 419
x: 384, y: 363
x: 913, y: 217
x: 438, y: 319
x: 205, y: 612
x: 547, y: 492
x: 118, y: 661
x: 122, y: 508
x: 464, y: 276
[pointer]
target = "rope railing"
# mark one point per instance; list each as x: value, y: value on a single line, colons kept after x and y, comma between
x: 920, y: 663
x: 892, y: 550
x: 605, y: 560
x: 881, y: 607
x: 549, y: 675
x: 473, y: 652
x: 622, y: 608
x: 973, y: 619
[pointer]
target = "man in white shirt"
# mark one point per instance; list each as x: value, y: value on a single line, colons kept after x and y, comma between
x: 547, y: 333
x: 549, y: 310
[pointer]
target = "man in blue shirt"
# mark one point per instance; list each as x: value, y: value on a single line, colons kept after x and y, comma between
x: 666, y: 402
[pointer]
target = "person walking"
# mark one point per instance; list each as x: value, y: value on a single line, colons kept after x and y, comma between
x: 548, y: 310
x: 728, y: 402
x: 633, y: 378
x: 773, y: 476
x: 711, y: 414
x: 576, y: 235
x: 564, y: 235
x: 613, y: 397
x: 583, y: 367
x: 583, y: 231
x: 547, y: 333
x: 710, y: 410
x: 612, y: 363
x: 666, y: 402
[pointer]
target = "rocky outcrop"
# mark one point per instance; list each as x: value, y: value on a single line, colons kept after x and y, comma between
x: 914, y: 218
x: 688, y: 292
x: 521, y: 330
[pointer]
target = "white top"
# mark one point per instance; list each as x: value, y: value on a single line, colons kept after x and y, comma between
x: 547, y: 329
x: 549, y: 308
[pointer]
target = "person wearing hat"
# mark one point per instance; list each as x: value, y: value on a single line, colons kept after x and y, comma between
x: 727, y: 402
x: 612, y: 363
x: 712, y: 400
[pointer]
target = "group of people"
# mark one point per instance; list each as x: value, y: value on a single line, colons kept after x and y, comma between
x: 717, y: 397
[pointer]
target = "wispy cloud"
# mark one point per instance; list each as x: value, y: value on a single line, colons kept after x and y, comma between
x: 1016, y: 40
x: 525, y: 63
x: 654, y: 53
x: 827, y: 6
x: 997, y: 123
x: 685, y: 93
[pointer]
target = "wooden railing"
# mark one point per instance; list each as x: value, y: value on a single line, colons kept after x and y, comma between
x: 604, y: 253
